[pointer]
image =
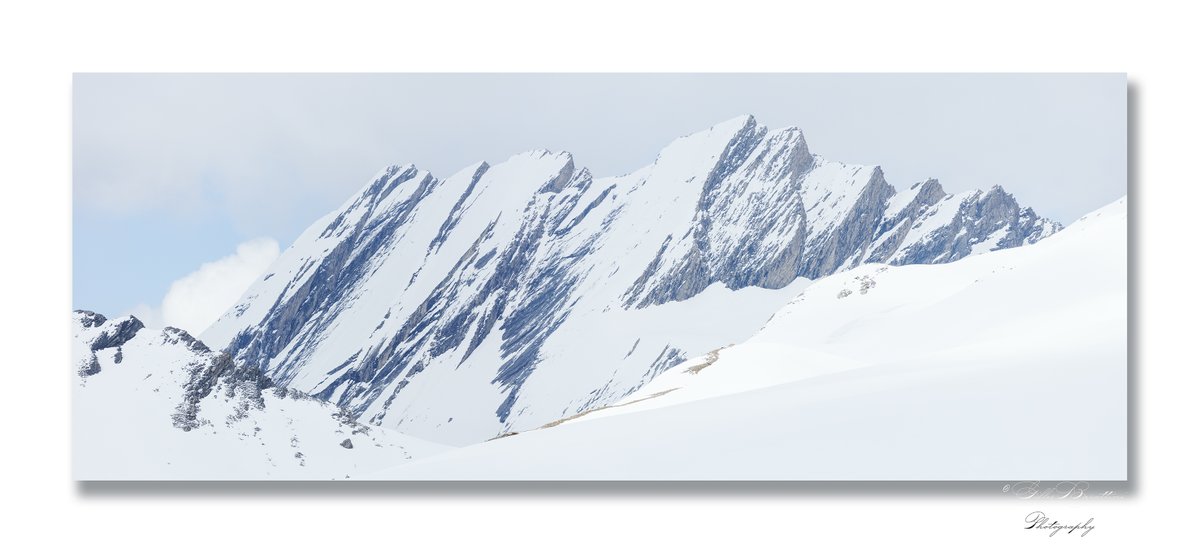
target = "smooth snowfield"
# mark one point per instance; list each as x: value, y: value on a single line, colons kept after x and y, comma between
x: 1004, y: 366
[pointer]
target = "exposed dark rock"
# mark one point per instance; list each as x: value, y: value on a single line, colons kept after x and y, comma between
x: 119, y: 333
x: 91, y: 366
x: 174, y: 335
x: 90, y: 319
x: 242, y: 384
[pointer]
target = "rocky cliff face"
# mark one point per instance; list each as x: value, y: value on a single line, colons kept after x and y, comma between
x: 979, y: 222
x: 510, y: 295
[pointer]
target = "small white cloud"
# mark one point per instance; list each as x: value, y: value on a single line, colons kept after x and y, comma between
x: 197, y: 300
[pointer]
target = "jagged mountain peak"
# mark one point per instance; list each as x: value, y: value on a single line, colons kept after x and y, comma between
x: 509, y: 295
x: 929, y: 186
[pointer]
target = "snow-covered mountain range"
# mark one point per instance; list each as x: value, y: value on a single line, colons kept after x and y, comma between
x: 1007, y: 366
x: 508, y: 296
x: 1004, y: 366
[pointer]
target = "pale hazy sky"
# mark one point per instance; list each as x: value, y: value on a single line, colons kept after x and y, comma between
x: 172, y: 171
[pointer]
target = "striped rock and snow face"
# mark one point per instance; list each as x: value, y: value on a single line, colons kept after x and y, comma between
x: 506, y: 296
x: 917, y: 372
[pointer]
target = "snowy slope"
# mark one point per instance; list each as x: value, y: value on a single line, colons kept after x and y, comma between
x: 506, y: 296
x: 152, y: 404
x: 1004, y: 366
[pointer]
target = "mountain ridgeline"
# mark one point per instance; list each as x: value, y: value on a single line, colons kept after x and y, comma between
x: 507, y: 296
